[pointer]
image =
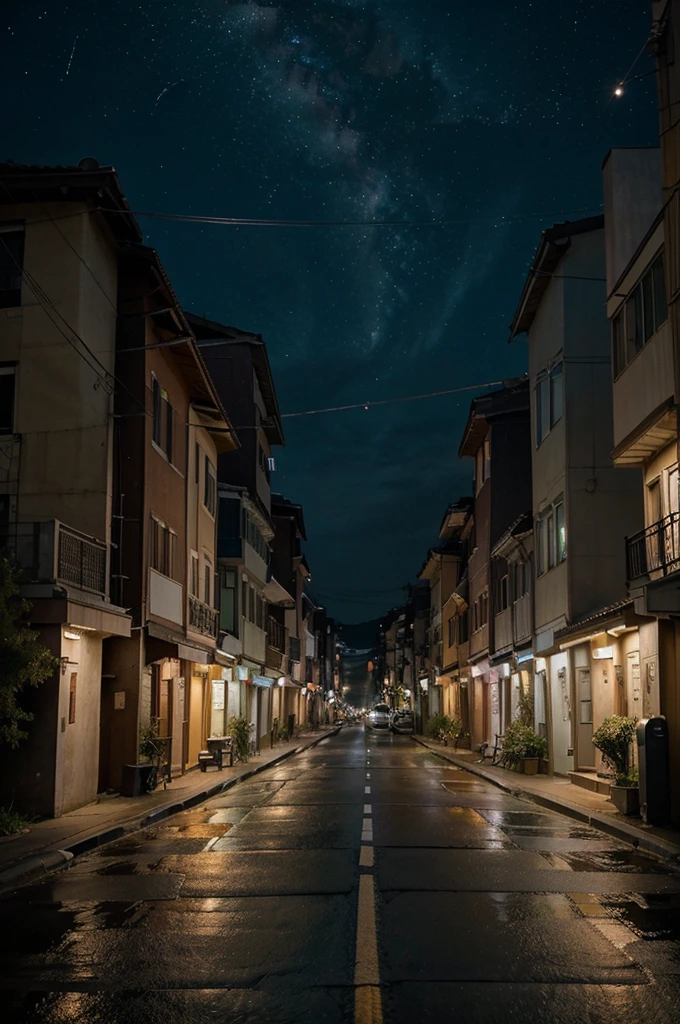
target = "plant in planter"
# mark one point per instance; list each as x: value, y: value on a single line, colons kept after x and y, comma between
x: 441, y: 727
x: 239, y: 729
x: 613, y: 739
x: 524, y: 746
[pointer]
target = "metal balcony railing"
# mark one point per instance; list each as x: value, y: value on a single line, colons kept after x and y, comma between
x: 202, y: 617
x: 655, y: 549
x: 52, y: 552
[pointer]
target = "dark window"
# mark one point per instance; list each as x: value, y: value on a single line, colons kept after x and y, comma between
x: 72, y: 698
x: 207, y: 574
x: 643, y: 312
x: 162, y: 543
x: 452, y: 631
x: 244, y: 598
x: 228, y: 609
x: 197, y: 469
x: 556, y: 395
x: 463, y: 628
x: 549, y: 393
x: 11, y: 264
x: 163, y: 419
x: 210, y: 487
x: 7, y: 381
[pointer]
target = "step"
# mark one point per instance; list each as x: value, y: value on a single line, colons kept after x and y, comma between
x: 591, y: 781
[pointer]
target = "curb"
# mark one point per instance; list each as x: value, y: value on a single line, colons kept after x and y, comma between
x: 617, y: 829
x: 51, y: 860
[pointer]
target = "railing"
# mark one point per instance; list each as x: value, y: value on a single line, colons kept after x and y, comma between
x: 201, y: 617
x: 81, y: 560
x: 655, y: 549
x: 52, y: 552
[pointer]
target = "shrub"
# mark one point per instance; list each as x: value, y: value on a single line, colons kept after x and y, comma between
x: 522, y: 741
x: 239, y: 730
x: 613, y: 740
x: 443, y: 728
x: 12, y: 822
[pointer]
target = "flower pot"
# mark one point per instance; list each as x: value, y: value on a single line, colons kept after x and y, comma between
x: 530, y: 765
x: 626, y: 799
x: 543, y: 766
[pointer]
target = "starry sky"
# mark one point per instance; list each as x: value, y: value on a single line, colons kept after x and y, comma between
x: 493, y: 116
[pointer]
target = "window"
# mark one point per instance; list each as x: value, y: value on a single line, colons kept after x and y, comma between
x: 194, y: 574
x: 551, y: 538
x: 163, y: 427
x: 463, y: 628
x: 452, y: 630
x: 260, y: 611
x: 197, y: 467
x: 502, y: 594
x: 11, y: 264
x: 263, y: 461
x: 244, y: 598
x: 549, y: 393
x: 483, y: 463
x: 522, y: 579
x: 72, y: 698
x: 7, y: 379
x: 228, y: 609
x: 207, y: 579
x: 162, y: 544
x: 210, y: 487
x: 484, y: 608
x: 641, y: 315
x: 487, y: 457
x: 560, y: 531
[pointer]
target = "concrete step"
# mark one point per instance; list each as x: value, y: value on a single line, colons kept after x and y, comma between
x: 591, y: 781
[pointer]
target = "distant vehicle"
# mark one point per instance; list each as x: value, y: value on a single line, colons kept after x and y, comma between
x: 379, y: 717
x: 401, y: 721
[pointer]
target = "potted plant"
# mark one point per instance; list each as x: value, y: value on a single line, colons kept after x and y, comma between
x: 613, y: 739
x: 524, y: 746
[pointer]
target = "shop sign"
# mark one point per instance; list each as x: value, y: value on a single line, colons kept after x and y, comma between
x: 218, y: 695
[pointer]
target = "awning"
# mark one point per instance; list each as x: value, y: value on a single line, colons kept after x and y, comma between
x: 276, y: 594
x: 163, y: 643
x: 263, y: 681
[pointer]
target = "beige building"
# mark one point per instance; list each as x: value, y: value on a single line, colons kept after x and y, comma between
x: 58, y: 304
x: 582, y: 505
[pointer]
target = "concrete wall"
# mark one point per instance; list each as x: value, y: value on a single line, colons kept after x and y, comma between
x: 632, y: 199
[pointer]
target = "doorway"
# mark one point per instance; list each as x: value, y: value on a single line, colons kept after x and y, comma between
x: 585, y: 751
x: 633, y: 686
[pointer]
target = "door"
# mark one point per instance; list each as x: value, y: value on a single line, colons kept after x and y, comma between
x: 585, y: 751
x: 495, y: 712
x: 633, y: 686
x: 196, y: 715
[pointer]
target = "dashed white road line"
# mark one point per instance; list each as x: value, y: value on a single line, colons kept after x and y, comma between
x: 368, y: 809
x: 367, y: 789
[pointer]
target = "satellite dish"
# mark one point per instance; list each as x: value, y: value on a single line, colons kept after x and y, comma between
x: 88, y: 163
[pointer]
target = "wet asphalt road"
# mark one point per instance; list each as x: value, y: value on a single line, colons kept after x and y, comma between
x: 245, y: 909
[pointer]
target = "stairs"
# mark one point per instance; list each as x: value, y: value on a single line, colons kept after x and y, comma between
x: 590, y: 780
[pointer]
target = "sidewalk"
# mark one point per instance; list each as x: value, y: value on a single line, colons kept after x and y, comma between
x: 558, y: 794
x: 55, y: 841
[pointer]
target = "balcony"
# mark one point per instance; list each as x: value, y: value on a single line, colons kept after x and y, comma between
x: 202, y: 618
x: 655, y: 551
x: 51, y: 552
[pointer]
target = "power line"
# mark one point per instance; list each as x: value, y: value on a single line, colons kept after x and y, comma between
x: 272, y: 222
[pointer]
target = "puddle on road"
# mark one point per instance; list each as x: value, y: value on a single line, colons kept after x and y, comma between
x: 650, y: 917
x: 627, y: 861
x: 116, y: 913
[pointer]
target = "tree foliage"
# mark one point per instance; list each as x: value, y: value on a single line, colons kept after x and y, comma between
x: 24, y: 661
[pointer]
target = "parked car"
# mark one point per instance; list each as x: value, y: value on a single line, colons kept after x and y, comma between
x: 402, y: 721
x: 379, y: 717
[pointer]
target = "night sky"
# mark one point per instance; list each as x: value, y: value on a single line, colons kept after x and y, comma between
x: 492, y: 114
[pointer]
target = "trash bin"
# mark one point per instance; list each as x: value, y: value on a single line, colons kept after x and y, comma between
x: 655, y: 799
x: 135, y: 779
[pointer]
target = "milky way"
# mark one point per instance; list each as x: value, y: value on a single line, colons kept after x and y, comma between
x: 495, y: 115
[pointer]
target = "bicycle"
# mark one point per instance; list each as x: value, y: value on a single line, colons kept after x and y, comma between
x: 158, y: 765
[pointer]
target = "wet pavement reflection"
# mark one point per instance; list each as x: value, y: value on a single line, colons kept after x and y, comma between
x: 244, y: 909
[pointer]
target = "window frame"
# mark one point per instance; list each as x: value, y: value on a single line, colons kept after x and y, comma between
x: 7, y: 371
x: 642, y: 313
